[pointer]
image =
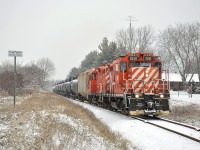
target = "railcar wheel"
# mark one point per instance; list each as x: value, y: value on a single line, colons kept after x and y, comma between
x: 125, y: 111
x: 114, y: 109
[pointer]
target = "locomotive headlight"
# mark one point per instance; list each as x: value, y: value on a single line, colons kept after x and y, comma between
x: 137, y: 96
x: 147, y: 75
x: 161, y: 96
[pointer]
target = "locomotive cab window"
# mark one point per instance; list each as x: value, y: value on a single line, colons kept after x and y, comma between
x: 133, y: 58
x: 147, y: 58
x: 133, y: 64
x: 123, y: 66
x: 157, y: 65
x: 116, y: 67
x: 93, y: 77
x: 145, y: 64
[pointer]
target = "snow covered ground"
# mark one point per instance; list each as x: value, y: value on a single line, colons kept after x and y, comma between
x: 144, y: 136
x: 185, y: 109
x: 147, y: 137
x: 182, y: 98
x: 48, y: 121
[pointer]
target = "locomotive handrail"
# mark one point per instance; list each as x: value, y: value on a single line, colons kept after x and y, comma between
x: 163, y: 84
x: 167, y: 78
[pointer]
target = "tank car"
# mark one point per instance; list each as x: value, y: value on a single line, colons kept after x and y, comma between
x: 74, y: 89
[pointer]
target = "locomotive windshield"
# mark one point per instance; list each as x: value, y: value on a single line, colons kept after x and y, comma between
x: 134, y: 64
x: 133, y: 58
x: 145, y: 64
x: 93, y: 76
x: 141, y: 64
x: 123, y: 66
x: 147, y: 58
x: 157, y: 64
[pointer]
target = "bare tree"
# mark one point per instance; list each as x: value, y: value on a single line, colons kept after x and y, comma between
x: 31, y: 73
x: 175, y: 43
x: 146, y: 38
x: 6, y: 66
x: 6, y: 82
x: 194, y: 34
x: 134, y: 40
x: 28, y: 77
x: 127, y: 40
x: 47, y: 70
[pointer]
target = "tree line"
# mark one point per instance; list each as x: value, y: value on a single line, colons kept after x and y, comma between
x: 178, y: 45
x: 28, y: 77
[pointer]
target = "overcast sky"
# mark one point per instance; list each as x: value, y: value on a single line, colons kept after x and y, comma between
x: 67, y: 30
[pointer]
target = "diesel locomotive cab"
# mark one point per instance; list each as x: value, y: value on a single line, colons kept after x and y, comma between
x: 146, y: 93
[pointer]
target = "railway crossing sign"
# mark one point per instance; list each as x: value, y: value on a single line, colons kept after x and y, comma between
x: 14, y: 54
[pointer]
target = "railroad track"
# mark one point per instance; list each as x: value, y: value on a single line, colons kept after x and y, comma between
x: 187, y: 131
x: 178, y: 123
x: 181, y: 129
x: 192, y: 133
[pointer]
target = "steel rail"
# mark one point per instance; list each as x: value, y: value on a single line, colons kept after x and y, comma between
x: 173, y: 131
x: 178, y: 123
x: 179, y: 133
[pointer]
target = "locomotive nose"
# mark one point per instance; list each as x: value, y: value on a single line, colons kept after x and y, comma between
x: 150, y: 105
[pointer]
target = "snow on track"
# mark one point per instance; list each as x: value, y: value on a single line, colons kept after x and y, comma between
x: 145, y: 136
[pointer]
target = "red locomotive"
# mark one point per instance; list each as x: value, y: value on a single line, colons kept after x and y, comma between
x: 132, y: 84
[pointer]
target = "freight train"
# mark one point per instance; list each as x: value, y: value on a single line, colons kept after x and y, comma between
x: 132, y: 84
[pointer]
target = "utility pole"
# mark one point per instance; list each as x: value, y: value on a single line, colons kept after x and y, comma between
x: 14, y: 54
x: 131, y: 18
x: 14, y: 81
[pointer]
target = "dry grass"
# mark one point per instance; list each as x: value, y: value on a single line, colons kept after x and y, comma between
x: 189, y: 114
x: 3, y: 93
x: 48, y: 121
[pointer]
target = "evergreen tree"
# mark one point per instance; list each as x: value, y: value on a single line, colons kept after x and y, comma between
x: 73, y: 73
x: 108, y: 52
x: 89, y: 62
